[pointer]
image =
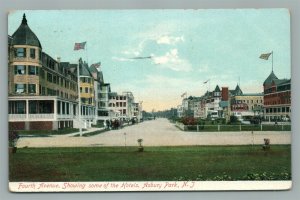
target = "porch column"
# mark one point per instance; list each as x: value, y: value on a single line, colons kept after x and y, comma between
x: 60, y: 105
x: 71, y: 108
x: 55, y: 109
x: 27, y: 109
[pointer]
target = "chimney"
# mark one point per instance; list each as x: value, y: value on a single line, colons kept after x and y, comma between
x: 58, y: 59
x: 225, y: 93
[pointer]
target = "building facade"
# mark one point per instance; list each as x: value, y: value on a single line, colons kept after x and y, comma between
x: 42, y: 93
x: 247, y: 104
x: 277, y: 98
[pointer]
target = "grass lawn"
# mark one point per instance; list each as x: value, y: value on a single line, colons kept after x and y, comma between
x: 154, y: 164
x: 252, y: 127
x: 46, y: 133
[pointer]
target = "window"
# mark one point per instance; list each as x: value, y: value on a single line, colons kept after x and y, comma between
x: 33, y: 70
x: 49, y: 77
x: 20, y: 52
x: 54, y: 79
x: 32, y: 53
x: 86, y: 90
x: 83, y: 100
x: 32, y: 107
x: 32, y: 88
x: 20, y: 69
x: 20, y: 88
x: 42, y: 73
x: 80, y: 89
x: 20, y: 107
x: 40, y: 55
x: 43, y: 91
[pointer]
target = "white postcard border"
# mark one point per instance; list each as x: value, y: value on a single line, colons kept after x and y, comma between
x: 148, y: 186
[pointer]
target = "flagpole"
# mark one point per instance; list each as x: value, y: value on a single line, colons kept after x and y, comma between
x: 86, y: 54
x: 79, y: 99
x: 272, y: 60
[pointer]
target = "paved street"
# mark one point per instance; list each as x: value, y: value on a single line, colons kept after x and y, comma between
x: 157, y: 133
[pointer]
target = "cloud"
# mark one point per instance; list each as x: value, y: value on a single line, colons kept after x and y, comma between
x: 121, y: 59
x: 165, y: 39
x: 172, y: 61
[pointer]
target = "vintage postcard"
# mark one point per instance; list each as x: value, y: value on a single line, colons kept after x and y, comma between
x: 149, y: 100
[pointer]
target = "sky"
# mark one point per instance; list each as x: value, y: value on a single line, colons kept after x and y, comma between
x: 187, y: 48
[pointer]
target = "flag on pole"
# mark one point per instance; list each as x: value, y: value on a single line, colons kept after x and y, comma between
x: 183, y: 94
x: 79, y: 46
x: 265, y: 56
x: 96, y: 65
x: 205, y: 81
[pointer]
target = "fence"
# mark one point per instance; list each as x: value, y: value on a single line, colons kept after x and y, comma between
x: 216, y: 128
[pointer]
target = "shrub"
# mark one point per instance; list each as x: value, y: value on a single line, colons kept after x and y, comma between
x: 140, y: 142
x: 189, y: 121
x: 12, y: 138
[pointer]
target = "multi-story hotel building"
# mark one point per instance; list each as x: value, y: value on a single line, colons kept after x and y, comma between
x: 87, y: 95
x: 123, y: 106
x: 244, y: 104
x: 42, y: 92
x: 277, y: 98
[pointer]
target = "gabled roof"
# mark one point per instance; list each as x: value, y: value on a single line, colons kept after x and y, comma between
x: 217, y: 89
x: 236, y: 91
x: 270, y: 78
x: 84, y: 69
x: 24, y: 35
x: 282, y: 81
x: 99, y: 74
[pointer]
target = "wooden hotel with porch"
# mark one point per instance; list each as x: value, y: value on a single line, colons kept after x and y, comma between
x: 42, y: 92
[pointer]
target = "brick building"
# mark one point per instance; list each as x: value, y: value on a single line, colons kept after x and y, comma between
x: 277, y: 98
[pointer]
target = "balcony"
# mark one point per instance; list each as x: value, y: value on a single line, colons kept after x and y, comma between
x: 31, y: 117
x: 65, y: 116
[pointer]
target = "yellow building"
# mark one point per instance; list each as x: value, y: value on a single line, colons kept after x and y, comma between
x: 87, y: 95
x: 248, y: 104
x: 42, y: 92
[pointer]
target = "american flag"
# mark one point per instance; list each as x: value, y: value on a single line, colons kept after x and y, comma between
x: 98, y: 64
x: 265, y: 56
x: 79, y: 46
x: 205, y: 81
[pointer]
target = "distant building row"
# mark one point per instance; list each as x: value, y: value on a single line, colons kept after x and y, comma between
x: 273, y: 104
x: 43, y: 92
